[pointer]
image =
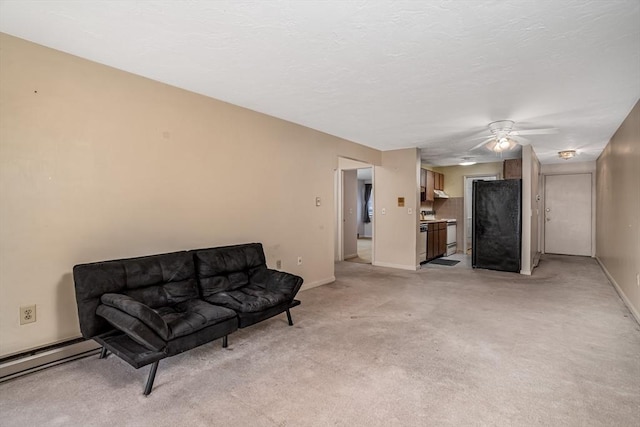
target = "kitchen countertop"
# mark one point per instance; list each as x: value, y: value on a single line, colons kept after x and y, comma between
x: 437, y: 220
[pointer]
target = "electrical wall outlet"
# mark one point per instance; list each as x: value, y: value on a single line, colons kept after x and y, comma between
x: 299, y: 260
x: 27, y: 314
x: 279, y: 264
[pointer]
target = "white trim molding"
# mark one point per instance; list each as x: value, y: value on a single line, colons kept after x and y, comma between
x: 317, y: 283
x: 392, y: 265
x: 624, y: 298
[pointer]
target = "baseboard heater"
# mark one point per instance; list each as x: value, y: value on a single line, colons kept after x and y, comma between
x: 40, y: 358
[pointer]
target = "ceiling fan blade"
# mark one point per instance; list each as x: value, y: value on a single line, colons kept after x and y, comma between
x: 474, y: 138
x: 548, y: 131
x: 520, y: 140
x: 482, y: 143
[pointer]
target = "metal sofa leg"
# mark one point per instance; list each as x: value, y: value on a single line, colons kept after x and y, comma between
x: 289, y: 318
x: 225, y: 343
x: 104, y: 353
x: 152, y: 377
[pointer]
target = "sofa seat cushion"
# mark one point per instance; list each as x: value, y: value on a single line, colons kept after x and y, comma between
x: 191, y: 316
x: 166, y: 323
x: 248, y: 299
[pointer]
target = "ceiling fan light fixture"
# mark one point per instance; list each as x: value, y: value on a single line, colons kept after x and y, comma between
x: 467, y: 162
x: 566, y: 154
x: 504, y: 143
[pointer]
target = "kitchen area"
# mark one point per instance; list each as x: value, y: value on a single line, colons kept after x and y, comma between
x: 437, y: 235
x: 445, y: 222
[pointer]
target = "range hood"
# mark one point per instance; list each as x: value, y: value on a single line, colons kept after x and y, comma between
x: 439, y: 194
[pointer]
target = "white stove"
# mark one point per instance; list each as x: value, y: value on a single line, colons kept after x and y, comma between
x: 452, y: 246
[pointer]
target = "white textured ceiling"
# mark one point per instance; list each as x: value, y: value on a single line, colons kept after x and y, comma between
x: 387, y: 74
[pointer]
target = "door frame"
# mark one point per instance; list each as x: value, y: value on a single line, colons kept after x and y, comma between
x: 338, y: 203
x: 543, y: 193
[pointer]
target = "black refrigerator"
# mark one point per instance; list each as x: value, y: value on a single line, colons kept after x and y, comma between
x: 497, y: 224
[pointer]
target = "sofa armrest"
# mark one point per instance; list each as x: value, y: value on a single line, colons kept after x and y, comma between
x: 139, y: 311
x: 286, y: 283
x: 132, y: 327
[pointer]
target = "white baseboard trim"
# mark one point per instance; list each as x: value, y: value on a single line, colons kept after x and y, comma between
x: 398, y: 266
x: 536, y: 259
x: 40, y: 360
x: 351, y: 256
x: 317, y: 283
x: 525, y: 272
x: 624, y: 298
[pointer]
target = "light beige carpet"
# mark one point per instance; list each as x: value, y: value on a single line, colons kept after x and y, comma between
x: 364, y: 252
x: 441, y: 346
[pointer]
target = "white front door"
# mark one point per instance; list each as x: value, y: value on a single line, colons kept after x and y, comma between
x: 567, y: 228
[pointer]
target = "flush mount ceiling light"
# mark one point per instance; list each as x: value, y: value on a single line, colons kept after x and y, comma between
x: 566, y: 154
x: 467, y: 161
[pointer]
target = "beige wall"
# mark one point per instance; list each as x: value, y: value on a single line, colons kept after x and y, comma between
x: 99, y: 164
x: 618, y: 210
x: 454, y: 175
x: 350, y: 206
x: 530, y: 209
x: 395, y: 232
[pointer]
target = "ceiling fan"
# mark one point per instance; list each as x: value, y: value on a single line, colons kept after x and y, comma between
x: 504, y: 138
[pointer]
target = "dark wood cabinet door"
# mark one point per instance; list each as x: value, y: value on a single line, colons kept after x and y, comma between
x: 437, y: 182
x: 423, y: 185
x: 430, y: 185
x: 442, y: 239
x: 512, y: 169
x: 432, y: 235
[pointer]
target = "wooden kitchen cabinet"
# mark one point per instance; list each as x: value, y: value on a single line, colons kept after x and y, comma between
x: 430, y: 181
x: 436, y: 239
x: 442, y: 239
x: 423, y: 185
x: 432, y: 236
x: 438, y: 181
x: 430, y: 185
x: 512, y: 169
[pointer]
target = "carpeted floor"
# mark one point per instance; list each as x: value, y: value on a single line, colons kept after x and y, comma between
x: 364, y: 252
x: 381, y: 347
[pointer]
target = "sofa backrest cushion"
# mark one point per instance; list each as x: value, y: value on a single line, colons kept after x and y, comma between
x: 229, y: 267
x: 156, y: 280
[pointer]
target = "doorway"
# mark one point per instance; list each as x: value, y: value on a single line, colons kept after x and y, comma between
x: 354, y: 201
x: 357, y: 215
x: 468, y: 208
x: 567, y: 214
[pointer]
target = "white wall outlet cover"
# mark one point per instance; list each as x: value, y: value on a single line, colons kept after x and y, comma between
x: 384, y: 211
x: 318, y: 201
x: 409, y: 211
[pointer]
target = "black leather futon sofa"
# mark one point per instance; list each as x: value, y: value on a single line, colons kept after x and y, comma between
x: 147, y: 308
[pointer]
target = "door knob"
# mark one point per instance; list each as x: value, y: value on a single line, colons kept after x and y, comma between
x: 548, y: 210
x: 548, y: 219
